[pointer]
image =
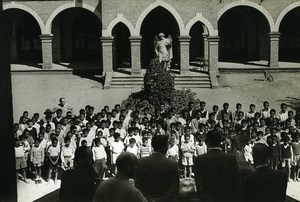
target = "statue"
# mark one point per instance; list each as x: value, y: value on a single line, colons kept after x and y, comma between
x: 163, y: 49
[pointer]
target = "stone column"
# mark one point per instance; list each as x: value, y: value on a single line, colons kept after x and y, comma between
x: 46, y: 40
x: 274, y: 49
x: 135, y: 42
x: 213, y: 59
x: 107, y: 43
x: 184, y: 42
x: 205, y: 35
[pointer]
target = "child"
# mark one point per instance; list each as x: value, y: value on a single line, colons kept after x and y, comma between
x: 145, y: 149
x: 53, y: 153
x: 248, y: 151
x: 100, y: 158
x: 67, y: 154
x: 85, y: 133
x: 187, y: 149
x: 188, y: 132
x: 21, y: 164
x: 37, y: 159
x: 296, y: 157
x: 275, y: 153
x: 286, y: 155
x: 117, y: 148
x: 200, y: 147
x: 132, y: 147
x: 173, y: 150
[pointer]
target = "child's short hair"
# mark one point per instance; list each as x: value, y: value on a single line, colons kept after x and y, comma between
x: 238, y: 105
x: 226, y: 104
x: 97, y: 140
x: 85, y: 130
x: 83, y: 142
x: 58, y: 110
x: 54, y: 139
x: 252, y: 105
x: 260, y: 133
x: 37, y: 140
x: 215, y: 107
x: 283, y: 105
x: 112, y: 130
x: 130, y: 130
x: 273, y: 110
x: 117, y: 135
x: 67, y: 139
x: 172, y: 125
x: 187, y: 128
x: 132, y: 140
x: 186, y: 136
x: 144, y: 139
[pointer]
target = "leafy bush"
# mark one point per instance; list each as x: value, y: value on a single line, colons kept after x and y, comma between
x: 158, y: 84
x: 159, y: 90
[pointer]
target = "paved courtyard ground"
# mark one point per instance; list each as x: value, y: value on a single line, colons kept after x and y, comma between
x: 36, y: 92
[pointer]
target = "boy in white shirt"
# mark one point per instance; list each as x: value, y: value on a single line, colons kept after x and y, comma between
x: 117, y: 147
x: 67, y: 154
x: 132, y: 147
x: 100, y: 158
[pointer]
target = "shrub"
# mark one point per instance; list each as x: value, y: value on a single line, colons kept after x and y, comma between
x: 158, y: 84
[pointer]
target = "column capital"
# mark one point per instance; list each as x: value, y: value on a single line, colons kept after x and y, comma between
x: 184, y: 38
x: 213, y: 39
x: 135, y: 39
x: 274, y: 34
x: 46, y: 37
x: 107, y: 39
x: 205, y: 35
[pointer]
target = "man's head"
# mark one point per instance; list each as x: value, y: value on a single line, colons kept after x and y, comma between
x: 214, y: 138
x: 161, y: 35
x: 127, y: 164
x: 160, y: 144
x: 260, y: 154
x: 83, y: 157
x: 62, y: 101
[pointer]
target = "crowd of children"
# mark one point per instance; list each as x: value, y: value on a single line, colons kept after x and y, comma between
x: 45, y: 144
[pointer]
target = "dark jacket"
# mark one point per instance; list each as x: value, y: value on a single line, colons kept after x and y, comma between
x: 157, y: 177
x: 264, y: 185
x: 216, y: 176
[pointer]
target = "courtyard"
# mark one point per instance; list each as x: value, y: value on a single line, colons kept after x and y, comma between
x: 36, y: 92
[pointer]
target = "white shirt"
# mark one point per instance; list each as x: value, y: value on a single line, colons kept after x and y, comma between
x: 54, y: 151
x: 173, y: 151
x: 134, y: 150
x: 99, y: 152
x: 117, y: 147
x: 105, y: 132
x: 19, y: 152
x: 283, y: 116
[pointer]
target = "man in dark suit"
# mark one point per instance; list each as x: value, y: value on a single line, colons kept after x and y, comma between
x: 216, y: 172
x: 78, y: 184
x: 264, y: 184
x: 157, y: 177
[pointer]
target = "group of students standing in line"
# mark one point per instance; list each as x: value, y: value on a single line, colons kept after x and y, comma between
x: 52, y: 139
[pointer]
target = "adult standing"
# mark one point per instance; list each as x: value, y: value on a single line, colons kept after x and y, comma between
x: 78, y: 184
x: 264, y: 184
x: 118, y: 188
x: 216, y: 172
x: 63, y: 106
x: 157, y: 177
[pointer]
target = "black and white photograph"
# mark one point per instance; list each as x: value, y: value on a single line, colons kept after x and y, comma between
x: 150, y: 100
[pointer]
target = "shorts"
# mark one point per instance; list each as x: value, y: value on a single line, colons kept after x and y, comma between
x: 51, y: 165
x: 187, y: 161
x: 20, y: 163
x: 296, y: 160
x: 274, y: 160
x: 68, y: 162
x: 286, y: 162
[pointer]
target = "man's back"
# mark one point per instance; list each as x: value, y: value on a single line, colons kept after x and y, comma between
x: 216, y: 176
x: 118, y: 189
x: 158, y: 177
x: 76, y: 186
x: 265, y: 185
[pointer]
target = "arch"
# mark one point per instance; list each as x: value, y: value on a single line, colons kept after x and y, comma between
x: 204, y: 21
x: 168, y: 7
x: 284, y: 12
x: 114, y: 22
x: 249, y: 4
x: 64, y: 7
x: 28, y: 10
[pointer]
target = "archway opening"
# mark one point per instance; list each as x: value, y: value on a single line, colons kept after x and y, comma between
x: 76, y: 39
x: 159, y: 20
x: 25, y: 43
x: 121, y: 46
x: 244, y: 35
x: 290, y: 37
x: 197, y: 42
